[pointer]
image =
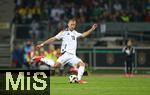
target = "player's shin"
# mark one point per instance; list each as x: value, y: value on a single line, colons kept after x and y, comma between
x: 80, y: 72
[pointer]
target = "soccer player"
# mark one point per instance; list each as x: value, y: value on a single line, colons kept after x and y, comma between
x: 129, y: 52
x: 68, y: 48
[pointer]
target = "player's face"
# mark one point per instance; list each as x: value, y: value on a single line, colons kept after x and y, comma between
x: 72, y: 25
x: 129, y: 43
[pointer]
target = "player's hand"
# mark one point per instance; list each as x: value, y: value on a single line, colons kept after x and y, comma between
x: 94, y: 27
x: 39, y: 46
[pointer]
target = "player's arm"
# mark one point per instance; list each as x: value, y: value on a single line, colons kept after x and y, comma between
x: 52, y: 39
x: 84, y: 34
x: 123, y: 50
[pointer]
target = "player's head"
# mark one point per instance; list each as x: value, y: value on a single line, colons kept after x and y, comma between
x: 72, y: 24
x: 129, y: 42
x: 32, y: 47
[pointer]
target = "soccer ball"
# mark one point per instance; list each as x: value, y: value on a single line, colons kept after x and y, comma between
x: 73, y: 78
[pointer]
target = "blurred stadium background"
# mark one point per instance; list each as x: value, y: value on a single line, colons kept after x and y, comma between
x: 24, y: 23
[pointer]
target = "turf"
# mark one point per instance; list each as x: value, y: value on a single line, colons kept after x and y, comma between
x: 102, y: 85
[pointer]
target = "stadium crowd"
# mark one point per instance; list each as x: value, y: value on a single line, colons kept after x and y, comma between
x: 58, y: 11
x: 32, y: 13
x: 22, y: 55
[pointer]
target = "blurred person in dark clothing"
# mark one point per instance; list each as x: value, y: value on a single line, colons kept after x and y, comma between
x: 128, y: 52
x: 17, y: 57
x: 26, y: 50
x: 34, y: 31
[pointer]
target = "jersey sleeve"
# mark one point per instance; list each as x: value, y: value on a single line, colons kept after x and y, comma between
x: 133, y: 50
x: 78, y: 34
x: 59, y: 36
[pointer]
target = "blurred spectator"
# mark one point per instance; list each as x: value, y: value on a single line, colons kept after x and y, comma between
x: 125, y: 17
x: 117, y: 6
x: 56, y: 13
x: 34, y: 32
x: 147, y: 17
x: 26, y: 49
x: 136, y: 16
x: 22, y: 12
x: 31, y: 53
x: 51, y: 54
x: 17, y: 18
x: 36, y: 12
x: 43, y: 52
x: 96, y: 11
x: 46, y: 9
x: 147, y: 5
x: 115, y: 17
x: 17, y: 3
x: 58, y: 52
x: 61, y: 25
x: 17, y: 57
x: 88, y: 3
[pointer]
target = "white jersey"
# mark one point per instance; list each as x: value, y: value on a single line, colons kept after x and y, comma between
x: 69, y: 40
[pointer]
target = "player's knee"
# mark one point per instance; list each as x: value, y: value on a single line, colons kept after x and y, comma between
x: 57, y: 65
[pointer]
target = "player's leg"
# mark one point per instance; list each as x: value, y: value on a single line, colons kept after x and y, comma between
x: 128, y: 67
x: 60, y: 61
x: 131, y: 68
x: 125, y: 69
x: 74, y: 69
x: 81, y: 66
x: 56, y: 65
x: 81, y: 69
x: 46, y: 61
x: 50, y: 62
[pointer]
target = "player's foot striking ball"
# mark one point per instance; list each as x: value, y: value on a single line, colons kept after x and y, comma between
x: 68, y: 48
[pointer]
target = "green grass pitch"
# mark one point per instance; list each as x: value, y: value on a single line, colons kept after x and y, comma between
x: 102, y: 85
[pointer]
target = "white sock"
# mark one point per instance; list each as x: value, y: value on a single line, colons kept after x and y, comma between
x: 80, y: 72
x: 48, y: 61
